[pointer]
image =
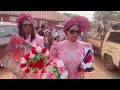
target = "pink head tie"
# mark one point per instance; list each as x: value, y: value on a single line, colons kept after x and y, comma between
x: 68, y: 24
x: 23, y: 16
x: 83, y: 22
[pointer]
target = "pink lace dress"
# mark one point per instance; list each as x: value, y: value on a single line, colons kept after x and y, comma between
x: 72, y: 53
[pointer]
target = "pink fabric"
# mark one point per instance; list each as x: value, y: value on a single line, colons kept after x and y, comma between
x: 69, y: 24
x: 25, y: 15
x: 81, y: 21
x: 72, y: 53
x: 38, y: 41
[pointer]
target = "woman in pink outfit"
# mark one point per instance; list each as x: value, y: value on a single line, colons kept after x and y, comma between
x: 26, y: 31
x: 72, y: 50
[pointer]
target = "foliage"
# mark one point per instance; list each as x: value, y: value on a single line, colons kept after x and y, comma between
x: 69, y: 15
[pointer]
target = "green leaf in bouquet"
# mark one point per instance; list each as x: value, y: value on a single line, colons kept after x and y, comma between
x: 36, y: 58
x: 56, y: 72
x: 57, y: 75
x: 54, y: 69
x: 30, y: 60
x: 45, y: 61
x: 33, y: 60
x: 34, y: 69
x: 41, y: 55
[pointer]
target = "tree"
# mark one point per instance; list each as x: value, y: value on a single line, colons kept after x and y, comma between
x: 110, y: 15
x: 69, y: 15
x: 105, y: 17
x: 94, y: 24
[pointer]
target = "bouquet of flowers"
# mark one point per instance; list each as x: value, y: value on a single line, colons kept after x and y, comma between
x: 56, y: 70
x: 35, y: 60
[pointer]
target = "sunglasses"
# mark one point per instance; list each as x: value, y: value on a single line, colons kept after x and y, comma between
x: 27, y: 25
x: 78, y: 32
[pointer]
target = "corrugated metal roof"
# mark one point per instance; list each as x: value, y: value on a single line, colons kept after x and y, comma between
x: 47, y: 15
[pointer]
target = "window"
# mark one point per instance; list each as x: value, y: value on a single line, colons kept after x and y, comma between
x: 43, y: 23
x: 61, y: 23
x: 12, y: 19
x: 1, y: 19
x: 114, y: 37
x: 116, y: 26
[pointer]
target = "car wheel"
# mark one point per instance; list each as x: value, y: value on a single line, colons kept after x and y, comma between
x: 108, y: 62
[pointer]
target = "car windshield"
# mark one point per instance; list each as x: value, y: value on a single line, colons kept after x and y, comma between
x: 116, y: 26
x: 114, y: 37
x: 7, y: 31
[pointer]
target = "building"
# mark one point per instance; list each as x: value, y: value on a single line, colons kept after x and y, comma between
x: 48, y: 18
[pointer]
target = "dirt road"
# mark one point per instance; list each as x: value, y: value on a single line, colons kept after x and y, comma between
x: 99, y: 73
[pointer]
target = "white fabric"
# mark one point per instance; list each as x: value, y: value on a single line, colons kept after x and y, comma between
x: 55, y: 34
x: 85, y: 66
x: 62, y: 35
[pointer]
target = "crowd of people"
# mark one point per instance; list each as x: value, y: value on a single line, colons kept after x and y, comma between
x: 51, y: 34
x: 63, y: 43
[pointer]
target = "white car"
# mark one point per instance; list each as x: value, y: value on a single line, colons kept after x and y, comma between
x: 6, y: 30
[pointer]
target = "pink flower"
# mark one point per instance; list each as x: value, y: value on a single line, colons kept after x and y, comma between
x: 55, y: 62
x: 50, y: 75
x: 61, y: 69
x: 42, y: 76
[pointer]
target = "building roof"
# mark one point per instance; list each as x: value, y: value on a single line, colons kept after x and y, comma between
x: 47, y: 15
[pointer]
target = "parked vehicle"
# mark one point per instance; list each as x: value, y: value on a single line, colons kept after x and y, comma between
x: 6, y: 30
x: 108, y: 48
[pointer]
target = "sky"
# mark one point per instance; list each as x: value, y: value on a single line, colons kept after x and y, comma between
x: 88, y: 14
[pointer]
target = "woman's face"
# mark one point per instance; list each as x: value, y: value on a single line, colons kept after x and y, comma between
x: 73, y: 33
x: 27, y: 27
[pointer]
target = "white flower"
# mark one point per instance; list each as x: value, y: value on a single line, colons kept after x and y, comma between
x: 47, y: 53
x: 83, y: 65
x: 23, y: 69
x: 23, y: 61
x: 88, y: 65
x: 39, y: 49
x: 64, y: 75
x: 60, y: 63
x: 31, y: 55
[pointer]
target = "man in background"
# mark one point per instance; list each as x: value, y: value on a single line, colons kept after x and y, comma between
x: 41, y: 30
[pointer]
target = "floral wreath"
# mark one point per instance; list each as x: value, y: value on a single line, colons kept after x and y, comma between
x: 35, y: 60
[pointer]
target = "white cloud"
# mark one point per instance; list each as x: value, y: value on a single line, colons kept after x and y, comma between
x: 88, y: 14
